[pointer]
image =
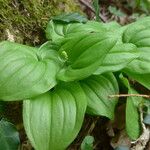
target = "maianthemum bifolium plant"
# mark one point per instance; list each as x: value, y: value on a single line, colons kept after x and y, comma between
x: 73, y: 74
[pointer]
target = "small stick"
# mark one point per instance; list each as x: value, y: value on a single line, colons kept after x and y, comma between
x: 129, y: 95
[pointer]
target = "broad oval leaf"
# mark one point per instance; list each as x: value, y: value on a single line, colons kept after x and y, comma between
x: 141, y: 65
x: 49, y: 50
x: 22, y: 73
x: 138, y: 33
x: 133, y: 124
x: 118, y: 58
x: 98, y: 89
x: 84, y: 54
x: 58, y: 30
x: 55, y: 31
x: 9, y: 136
x: 53, y: 120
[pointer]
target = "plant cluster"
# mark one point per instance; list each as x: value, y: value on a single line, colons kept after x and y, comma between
x: 73, y: 73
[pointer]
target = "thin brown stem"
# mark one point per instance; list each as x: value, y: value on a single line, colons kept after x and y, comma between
x: 129, y: 95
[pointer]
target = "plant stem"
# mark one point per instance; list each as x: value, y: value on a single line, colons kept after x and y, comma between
x: 129, y: 95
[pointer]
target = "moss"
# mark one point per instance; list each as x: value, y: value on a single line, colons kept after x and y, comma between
x: 27, y: 19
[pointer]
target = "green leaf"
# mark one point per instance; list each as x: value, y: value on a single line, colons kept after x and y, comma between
x: 124, y: 81
x: 58, y: 30
x: 111, y: 26
x: 49, y: 45
x: 118, y: 58
x: 55, y: 31
x: 9, y: 136
x: 138, y: 33
x: 133, y: 123
x: 53, y: 120
x: 23, y: 73
x: 100, y: 27
x: 141, y: 65
x: 143, y: 79
x: 70, y: 17
x: 84, y: 54
x: 87, y: 143
x: 133, y: 126
x: 49, y: 50
x: 98, y: 89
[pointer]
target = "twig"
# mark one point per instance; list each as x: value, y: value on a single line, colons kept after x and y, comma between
x: 91, y: 8
x: 129, y: 95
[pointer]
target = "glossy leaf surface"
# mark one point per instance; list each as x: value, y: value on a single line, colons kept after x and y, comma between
x: 23, y: 73
x: 58, y: 30
x: 138, y: 33
x: 49, y: 50
x: 133, y: 126
x: 53, y: 120
x: 133, y: 123
x: 84, y: 54
x: 118, y: 58
x: 98, y: 89
x: 140, y: 65
x: 133, y: 35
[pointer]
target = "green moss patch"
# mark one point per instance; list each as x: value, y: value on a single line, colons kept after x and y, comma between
x: 27, y: 19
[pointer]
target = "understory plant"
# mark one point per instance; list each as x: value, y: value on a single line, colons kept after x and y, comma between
x: 73, y: 73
